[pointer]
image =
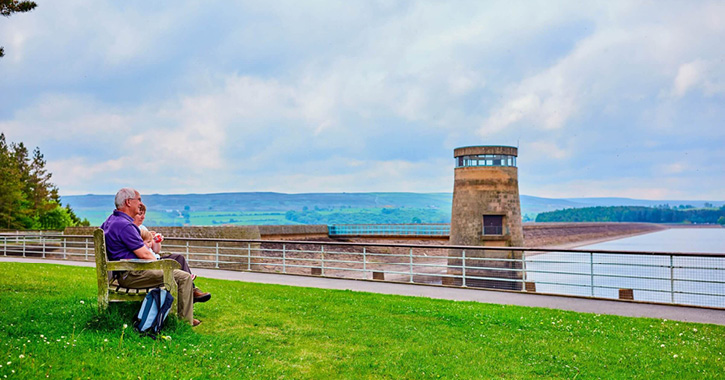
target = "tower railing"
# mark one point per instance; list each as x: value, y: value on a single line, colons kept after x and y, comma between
x: 389, y: 229
x: 695, y: 279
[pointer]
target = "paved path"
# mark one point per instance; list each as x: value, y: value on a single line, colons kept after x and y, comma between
x: 578, y: 304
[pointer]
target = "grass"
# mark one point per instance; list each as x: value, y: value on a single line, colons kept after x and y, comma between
x: 49, y: 326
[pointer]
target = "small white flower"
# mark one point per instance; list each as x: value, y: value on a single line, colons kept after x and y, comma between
x: 21, y: 356
x: 662, y: 345
x: 10, y: 363
x: 674, y: 356
x: 125, y: 325
x: 83, y: 302
x: 695, y: 330
x: 105, y: 340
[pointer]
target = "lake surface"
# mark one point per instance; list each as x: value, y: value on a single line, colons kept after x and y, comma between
x: 657, y: 278
x: 672, y: 240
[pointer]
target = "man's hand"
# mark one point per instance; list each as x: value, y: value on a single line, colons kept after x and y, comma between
x: 144, y: 253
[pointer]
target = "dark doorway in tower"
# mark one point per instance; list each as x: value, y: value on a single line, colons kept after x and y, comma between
x: 493, y: 224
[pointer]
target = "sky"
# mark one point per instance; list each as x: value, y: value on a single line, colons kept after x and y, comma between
x: 603, y: 99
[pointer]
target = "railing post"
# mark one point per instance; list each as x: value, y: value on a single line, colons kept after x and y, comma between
x: 65, y: 247
x: 322, y: 264
x: 249, y: 256
x: 525, y: 277
x: 672, y: 279
x: 43, y: 240
x: 410, y: 253
x: 187, y: 249
x: 24, y: 239
x: 216, y: 265
x: 5, y: 246
x: 463, y: 268
x: 85, y: 251
x: 591, y: 271
x: 284, y: 258
x: 365, y: 269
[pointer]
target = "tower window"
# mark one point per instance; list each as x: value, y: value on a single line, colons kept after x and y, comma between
x: 493, y: 224
x: 486, y: 160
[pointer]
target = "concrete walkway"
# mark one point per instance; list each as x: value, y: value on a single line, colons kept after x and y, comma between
x: 578, y: 304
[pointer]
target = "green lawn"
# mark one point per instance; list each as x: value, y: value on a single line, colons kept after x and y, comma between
x: 49, y: 326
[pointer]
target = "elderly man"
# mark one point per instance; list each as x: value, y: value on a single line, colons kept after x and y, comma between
x: 199, y: 296
x: 123, y: 241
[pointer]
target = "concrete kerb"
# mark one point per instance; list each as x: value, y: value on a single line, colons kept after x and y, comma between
x: 582, y: 305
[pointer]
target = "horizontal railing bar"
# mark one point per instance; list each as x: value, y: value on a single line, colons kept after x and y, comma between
x: 477, y: 248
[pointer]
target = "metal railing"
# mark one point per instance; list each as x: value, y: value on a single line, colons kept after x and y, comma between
x: 389, y: 229
x: 696, y: 279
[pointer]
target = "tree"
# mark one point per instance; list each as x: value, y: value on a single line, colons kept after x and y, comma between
x: 8, y: 7
x: 27, y: 197
x: 11, y: 188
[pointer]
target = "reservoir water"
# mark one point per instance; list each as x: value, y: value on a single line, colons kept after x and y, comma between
x: 683, y: 280
x: 707, y: 240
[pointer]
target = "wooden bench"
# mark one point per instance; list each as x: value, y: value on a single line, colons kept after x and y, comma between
x: 108, y: 288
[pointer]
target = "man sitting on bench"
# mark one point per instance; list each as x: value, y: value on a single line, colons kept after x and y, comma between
x: 123, y: 241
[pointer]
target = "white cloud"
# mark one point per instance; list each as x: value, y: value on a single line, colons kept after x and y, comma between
x: 362, y: 96
x: 709, y: 76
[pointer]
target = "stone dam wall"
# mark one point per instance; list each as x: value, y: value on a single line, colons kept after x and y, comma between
x: 535, y: 234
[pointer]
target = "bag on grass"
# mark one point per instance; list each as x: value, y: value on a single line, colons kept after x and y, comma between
x: 154, y: 310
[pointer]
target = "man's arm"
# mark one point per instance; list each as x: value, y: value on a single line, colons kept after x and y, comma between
x: 144, y: 253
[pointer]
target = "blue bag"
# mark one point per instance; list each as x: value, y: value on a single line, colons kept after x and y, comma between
x: 154, y: 310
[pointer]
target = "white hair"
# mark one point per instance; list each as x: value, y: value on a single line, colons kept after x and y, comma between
x: 122, y: 195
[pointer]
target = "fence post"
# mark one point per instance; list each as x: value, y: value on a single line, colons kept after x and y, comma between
x: 365, y: 269
x: 591, y: 271
x: 217, y: 255
x: 249, y: 256
x: 5, y: 246
x: 410, y: 253
x: 284, y: 258
x: 24, y: 238
x: 463, y: 268
x: 525, y: 277
x: 65, y: 247
x: 672, y: 279
x: 322, y: 264
x: 42, y: 240
x: 85, y: 251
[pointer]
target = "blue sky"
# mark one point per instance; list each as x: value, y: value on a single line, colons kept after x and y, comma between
x: 603, y: 98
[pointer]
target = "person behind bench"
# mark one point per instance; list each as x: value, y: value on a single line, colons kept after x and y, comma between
x: 123, y: 241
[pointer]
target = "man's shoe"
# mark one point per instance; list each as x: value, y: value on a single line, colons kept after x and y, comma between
x: 195, y: 323
x: 200, y: 296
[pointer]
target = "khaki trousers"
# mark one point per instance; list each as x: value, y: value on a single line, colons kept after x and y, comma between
x: 155, y: 278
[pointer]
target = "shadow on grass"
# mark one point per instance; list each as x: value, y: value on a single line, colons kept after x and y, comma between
x: 120, y: 313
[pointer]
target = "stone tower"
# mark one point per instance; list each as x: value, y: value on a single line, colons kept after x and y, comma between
x: 486, y: 212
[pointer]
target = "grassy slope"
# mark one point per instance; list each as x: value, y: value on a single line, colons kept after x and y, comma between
x: 270, y: 331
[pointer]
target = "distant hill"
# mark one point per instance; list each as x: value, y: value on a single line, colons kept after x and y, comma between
x: 275, y: 208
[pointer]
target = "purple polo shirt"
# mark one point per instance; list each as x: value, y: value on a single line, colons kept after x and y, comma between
x: 122, y: 236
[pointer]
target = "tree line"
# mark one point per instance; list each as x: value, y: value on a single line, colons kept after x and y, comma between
x: 636, y: 214
x: 28, y: 200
